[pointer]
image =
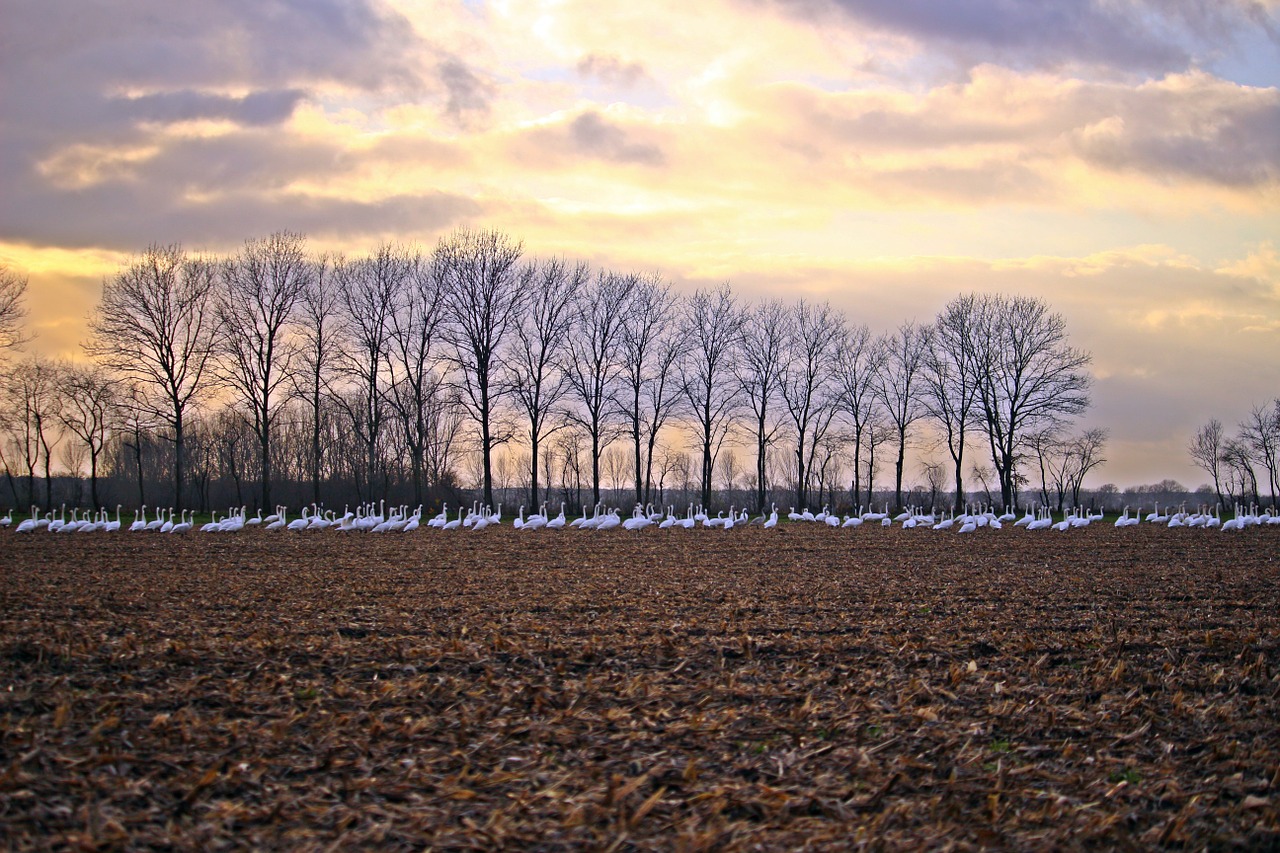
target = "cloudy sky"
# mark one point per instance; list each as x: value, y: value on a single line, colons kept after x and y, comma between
x: 1119, y: 158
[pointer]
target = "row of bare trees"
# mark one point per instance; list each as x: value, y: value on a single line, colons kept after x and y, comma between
x: 402, y: 360
x: 1234, y: 460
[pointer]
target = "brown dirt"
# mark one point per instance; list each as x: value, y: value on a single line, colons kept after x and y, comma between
x: 741, y: 689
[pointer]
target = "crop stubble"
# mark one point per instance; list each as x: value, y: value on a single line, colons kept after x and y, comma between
x: 662, y: 690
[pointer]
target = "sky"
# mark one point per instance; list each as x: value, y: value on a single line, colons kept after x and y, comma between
x: 1118, y: 158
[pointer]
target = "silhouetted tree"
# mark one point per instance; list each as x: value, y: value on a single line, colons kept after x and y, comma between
x: 536, y: 365
x: 950, y: 386
x: 898, y: 387
x: 13, y: 310
x: 261, y: 286
x: 712, y: 329
x: 1260, y: 434
x: 1206, y: 450
x: 416, y: 381
x: 31, y: 407
x: 647, y: 388
x: 857, y: 358
x: 155, y: 325
x: 1028, y: 378
x: 762, y: 355
x: 593, y: 366
x: 318, y: 332
x: 484, y: 287
x: 808, y: 387
x: 89, y: 412
x: 370, y: 289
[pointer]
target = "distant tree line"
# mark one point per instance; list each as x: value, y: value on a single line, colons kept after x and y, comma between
x: 276, y: 374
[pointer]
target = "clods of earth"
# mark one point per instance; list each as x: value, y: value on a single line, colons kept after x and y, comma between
x: 659, y: 690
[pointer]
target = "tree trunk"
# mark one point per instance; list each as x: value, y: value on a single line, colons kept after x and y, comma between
x: 595, y: 465
x: 648, y: 470
x: 639, y: 466
x: 959, y: 460
x: 897, y: 483
x: 315, y: 447
x: 486, y: 450
x: 266, y: 466
x: 802, y: 495
x: 761, y: 454
x: 177, y: 459
x: 93, y: 479
x: 533, y: 468
x: 706, y: 476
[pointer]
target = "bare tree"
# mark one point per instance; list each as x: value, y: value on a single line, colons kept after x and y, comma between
x: 230, y: 442
x: 89, y: 412
x: 484, y: 291
x: 760, y: 369
x: 1260, y: 434
x: 807, y: 385
x: 370, y: 289
x: 1065, y: 461
x: 536, y: 369
x: 594, y: 366
x: 136, y: 424
x: 1206, y: 451
x: 318, y: 333
x: 569, y: 445
x: 826, y: 465
x: 663, y: 398
x: 1049, y: 450
x: 616, y: 467
x: 415, y: 379
x: 983, y: 474
x: 1237, y: 460
x: 935, y: 478
x: 671, y: 466
x: 648, y: 390
x: 261, y: 286
x: 878, y: 431
x: 32, y: 403
x: 155, y: 326
x: 1029, y: 377
x: 729, y: 471
x: 898, y: 388
x: 444, y: 424
x: 712, y: 328
x: 13, y: 310
x: 857, y: 358
x: 949, y: 390
x: 1085, y: 452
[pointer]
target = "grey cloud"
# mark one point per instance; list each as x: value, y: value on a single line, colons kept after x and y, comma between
x: 92, y: 218
x: 211, y: 190
x: 257, y: 108
x: 151, y: 43
x: 989, y: 183
x: 467, y: 96
x: 79, y: 78
x: 592, y: 135
x: 611, y: 69
x: 1232, y: 143
x: 1144, y: 35
x: 1192, y: 127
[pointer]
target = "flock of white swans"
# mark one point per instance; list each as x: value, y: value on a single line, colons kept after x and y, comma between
x: 378, y: 518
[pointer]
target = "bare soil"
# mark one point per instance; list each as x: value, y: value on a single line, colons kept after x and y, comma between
x: 741, y: 689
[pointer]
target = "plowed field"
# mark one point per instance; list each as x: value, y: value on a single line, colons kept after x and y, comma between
x: 741, y: 689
